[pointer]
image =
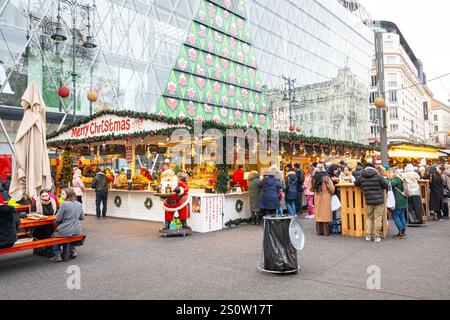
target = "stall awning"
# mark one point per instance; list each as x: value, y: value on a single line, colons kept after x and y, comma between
x: 407, y: 151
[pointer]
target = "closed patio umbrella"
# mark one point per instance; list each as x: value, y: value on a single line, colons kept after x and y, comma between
x: 31, y: 172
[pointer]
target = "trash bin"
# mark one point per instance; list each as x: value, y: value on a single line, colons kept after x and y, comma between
x: 279, y: 255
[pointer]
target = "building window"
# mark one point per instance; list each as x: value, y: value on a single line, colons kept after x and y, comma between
x: 394, y: 127
x: 392, y: 79
x: 425, y: 111
x: 393, y: 113
x: 393, y: 96
x: 436, y: 128
x: 374, y: 81
x: 373, y: 96
x: 436, y: 140
x: 391, y: 60
x: 435, y: 117
x: 389, y: 44
x: 375, y: 114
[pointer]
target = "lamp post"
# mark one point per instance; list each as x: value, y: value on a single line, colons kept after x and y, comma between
x: 380, y: 101
x: 74, y: 6
x: 289, y: 95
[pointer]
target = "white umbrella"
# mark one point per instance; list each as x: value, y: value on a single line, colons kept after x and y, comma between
x: 31, y: 172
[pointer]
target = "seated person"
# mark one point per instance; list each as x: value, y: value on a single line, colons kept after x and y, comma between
x: 9, y: 223
x: 46, y: 204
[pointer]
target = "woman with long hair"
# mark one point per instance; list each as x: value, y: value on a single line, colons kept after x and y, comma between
x: 68, y: 222
x: 323, y: 189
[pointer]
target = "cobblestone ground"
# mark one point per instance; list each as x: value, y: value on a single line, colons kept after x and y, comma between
x: 125, y: 259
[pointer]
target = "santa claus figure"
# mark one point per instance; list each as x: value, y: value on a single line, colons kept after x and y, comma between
x: 166, y: 165
x: 179, y: 202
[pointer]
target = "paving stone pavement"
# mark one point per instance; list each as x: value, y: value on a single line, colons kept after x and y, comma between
x: 125, y: 259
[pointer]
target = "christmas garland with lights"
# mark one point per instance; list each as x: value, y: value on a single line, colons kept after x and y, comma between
x: 239, y: 205
x: 293, y: 137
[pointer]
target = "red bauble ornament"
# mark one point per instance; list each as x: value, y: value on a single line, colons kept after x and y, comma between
x: 64, y: 92
x: 291, y: 128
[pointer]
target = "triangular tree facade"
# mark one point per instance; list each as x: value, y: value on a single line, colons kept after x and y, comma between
x: 215, y: 76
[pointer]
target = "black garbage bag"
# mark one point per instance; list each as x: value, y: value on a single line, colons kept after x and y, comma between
x: 279, y: 253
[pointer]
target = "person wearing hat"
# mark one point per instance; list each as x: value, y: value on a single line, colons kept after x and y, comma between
x: 166, y: 165
x: 300, y: 181
x: 269, y: 189
x: 436, y: 193
x: 415, y: 207
x: 253, y: 191
x: 373, y: 186
x: 323, y: 189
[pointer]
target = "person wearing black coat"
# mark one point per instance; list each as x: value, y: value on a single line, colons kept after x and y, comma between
x: 357, y: 172
x: 268, y: 194
x: 9, y: 222
x: 291, y: 192
x: 300, y: 181
x: 436, y: 193
x: 374, y: 186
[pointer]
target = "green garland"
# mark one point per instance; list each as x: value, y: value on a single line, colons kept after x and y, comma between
x: 222, y: 179
x: 118, y: 201
x: 237, y: 222
x: 239, y: 205
x: 190, y: 123
x: 67, y: 168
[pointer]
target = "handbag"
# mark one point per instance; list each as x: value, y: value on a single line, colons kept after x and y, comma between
x: 390, y: 198
x: 335, y: 203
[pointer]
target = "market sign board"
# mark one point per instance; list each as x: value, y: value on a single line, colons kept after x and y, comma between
x: 111, y: 124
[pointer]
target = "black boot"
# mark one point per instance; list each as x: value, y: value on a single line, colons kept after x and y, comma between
x: 184, y: 225
x: 166, y: 225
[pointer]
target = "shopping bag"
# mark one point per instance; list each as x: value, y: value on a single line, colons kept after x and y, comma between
x: 391, y: 200
x: 335, y: 203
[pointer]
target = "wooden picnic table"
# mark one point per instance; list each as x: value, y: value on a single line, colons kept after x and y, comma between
x: 30, y: 223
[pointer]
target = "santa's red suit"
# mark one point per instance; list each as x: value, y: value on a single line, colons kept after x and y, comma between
x: 178, y: 202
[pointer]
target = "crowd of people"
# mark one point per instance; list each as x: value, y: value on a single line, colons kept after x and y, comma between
x: 275, y: 193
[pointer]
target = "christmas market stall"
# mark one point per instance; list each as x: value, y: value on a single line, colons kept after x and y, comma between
x: 134, y: 149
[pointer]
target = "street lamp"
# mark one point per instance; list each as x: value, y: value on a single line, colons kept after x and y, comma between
x: 59, y: 36
x: 289, y: 95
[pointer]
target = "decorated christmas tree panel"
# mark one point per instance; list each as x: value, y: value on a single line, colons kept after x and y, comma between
x: 215, y: 76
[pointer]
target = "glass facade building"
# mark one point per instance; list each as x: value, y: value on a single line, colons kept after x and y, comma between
x: 140, y: 43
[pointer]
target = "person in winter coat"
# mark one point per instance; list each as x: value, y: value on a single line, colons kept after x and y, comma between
x: 100, y: 185
x: 436, y: 193
x: 446, y: 182
x: 323, y: 189
x: 7, y: 183
x: 423, y: 173
x: 399, y: 214
x: 268, y: 193
x: 300, y: 181
x: 374, y: 186
x: 68, y: 222
x: 9, y: 223
x: 78, y: 185
x: 253, y: 190
x: 291, y: 192
x: 47, y: 206
x: 309, y: 194
x: 279, y: 178
x: 346, y: 176
x: 358, y: 171
x: 415, y: 199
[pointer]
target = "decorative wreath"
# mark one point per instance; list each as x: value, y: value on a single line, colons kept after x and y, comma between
x: 118, y: 201
x: 239, y: 205
x: 148, y: 203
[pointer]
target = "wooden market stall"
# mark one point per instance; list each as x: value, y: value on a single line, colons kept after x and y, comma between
x: 132, y: 147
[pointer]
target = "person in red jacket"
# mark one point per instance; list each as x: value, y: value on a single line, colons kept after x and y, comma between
x: 238, y: 178
x: 178, y: 202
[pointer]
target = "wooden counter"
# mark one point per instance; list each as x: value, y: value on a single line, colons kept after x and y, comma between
x: 354, y: 212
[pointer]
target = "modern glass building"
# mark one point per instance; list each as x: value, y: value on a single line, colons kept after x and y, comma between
x: 220, y: 60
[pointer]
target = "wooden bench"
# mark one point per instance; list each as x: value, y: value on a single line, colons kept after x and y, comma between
x: 76, y: 241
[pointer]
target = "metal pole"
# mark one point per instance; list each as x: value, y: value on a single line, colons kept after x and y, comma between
x: 290, y: 103
x: 74, y: 54
x: 381, y: 90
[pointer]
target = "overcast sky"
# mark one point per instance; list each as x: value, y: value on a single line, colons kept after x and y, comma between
x: 426, y: 27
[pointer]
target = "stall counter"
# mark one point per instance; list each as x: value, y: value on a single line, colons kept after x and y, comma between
x: 214, y: 212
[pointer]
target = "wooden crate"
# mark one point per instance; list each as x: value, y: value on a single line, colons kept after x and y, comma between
x: 354, y: 212
x: 424, y: 186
